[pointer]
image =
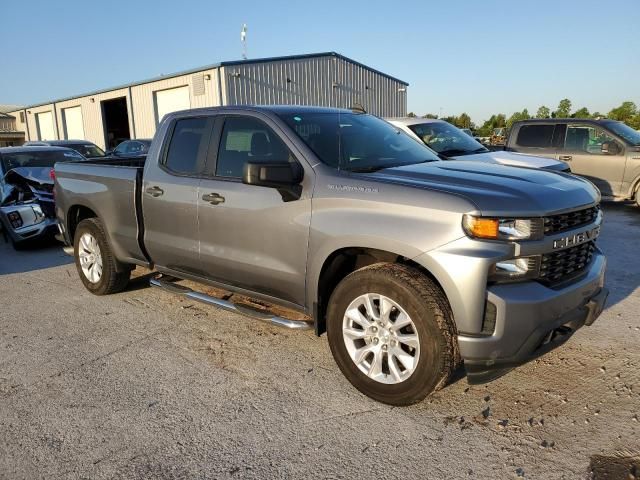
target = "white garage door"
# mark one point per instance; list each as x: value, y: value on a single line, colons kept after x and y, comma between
x: 44, y: 122
x: 73, y: 127
x: 171, y: 100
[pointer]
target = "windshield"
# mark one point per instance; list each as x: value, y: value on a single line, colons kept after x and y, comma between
x: 44, y: 158
x: 356, y: 142
x: 87, y: 151
x: 625, y: 131
x: 446, y: 139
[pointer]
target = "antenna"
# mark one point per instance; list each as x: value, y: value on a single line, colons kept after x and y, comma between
x: 243, y: 39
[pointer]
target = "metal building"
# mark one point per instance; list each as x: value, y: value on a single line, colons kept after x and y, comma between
x: 106, y: 117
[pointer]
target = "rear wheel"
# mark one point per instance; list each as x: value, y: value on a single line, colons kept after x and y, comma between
x: 99, y: 270
x: 391, y: 333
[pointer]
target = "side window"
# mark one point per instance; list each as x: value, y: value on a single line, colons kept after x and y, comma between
x: 122, y: 148
x: 591, y: 140
x: 246, y: 139
x: 538, y: 136
x: 189, y: 140
x: 134, y: 147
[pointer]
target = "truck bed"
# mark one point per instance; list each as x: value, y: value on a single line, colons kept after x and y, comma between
x: 110, y: 188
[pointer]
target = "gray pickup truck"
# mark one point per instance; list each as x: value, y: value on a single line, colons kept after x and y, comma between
x: 605, y: 151
x: 409, y: 264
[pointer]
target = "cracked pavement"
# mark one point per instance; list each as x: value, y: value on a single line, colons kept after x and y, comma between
x: 144, y: 384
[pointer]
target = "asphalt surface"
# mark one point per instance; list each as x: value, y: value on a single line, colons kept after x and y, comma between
x: 145, y: 385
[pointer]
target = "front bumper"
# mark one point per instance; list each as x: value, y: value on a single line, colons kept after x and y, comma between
x: 531, y: 320
x: 32, y: 228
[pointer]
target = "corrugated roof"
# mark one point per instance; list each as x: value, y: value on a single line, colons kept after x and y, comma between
x: 217, y: 65
x: 9, y: 108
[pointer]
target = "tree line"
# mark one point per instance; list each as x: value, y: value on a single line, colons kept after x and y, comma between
x: 627, y: 112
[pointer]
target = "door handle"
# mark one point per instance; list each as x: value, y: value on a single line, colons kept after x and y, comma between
x: 565, y: 158
x: 155, y: 191
x: 213, y: 198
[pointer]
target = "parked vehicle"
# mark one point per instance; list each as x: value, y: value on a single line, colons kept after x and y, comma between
x: 83, y: 147
x: 498, y: 136
x: 131, y: 148
x: 450, y: 142
x: 408, y: 263
x: 26, y: 190
x: 606, y: 152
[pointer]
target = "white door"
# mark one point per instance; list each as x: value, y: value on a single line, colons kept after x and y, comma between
x: 73, y: 127
x: 46, y: 130
x: 171, y: 100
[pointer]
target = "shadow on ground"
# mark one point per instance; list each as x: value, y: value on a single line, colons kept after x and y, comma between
x: 34, y: 256
x: 620, y: 234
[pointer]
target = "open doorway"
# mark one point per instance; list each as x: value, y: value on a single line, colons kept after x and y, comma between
x: 115, y: 119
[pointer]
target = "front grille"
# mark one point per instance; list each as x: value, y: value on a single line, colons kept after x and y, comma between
x: 567, y: 221
x: 563, y: 265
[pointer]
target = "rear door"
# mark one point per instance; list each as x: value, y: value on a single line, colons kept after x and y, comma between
x: 170, y: 195
x: 596, y: 155
x: 252, y: 237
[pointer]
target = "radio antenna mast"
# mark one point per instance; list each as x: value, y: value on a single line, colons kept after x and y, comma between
x: 243, y: 39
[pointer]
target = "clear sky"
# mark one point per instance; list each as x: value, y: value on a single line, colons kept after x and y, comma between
x: 481, y: 57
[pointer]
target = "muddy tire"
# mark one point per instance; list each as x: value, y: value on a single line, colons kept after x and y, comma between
x: 392, y: 334
x: 97, y: 267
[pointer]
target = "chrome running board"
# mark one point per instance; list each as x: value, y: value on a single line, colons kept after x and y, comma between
x: 230, y: 306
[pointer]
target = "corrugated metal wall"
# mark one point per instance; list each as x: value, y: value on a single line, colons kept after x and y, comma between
x: 323, y: 81
x: 143, y: 97
x: 327, y: 80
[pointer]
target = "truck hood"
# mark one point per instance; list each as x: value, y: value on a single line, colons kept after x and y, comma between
x: 515, y: 160
x: 496, y: 189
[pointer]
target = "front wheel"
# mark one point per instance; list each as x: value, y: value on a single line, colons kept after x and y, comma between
x: 391, y: 332
x: 99, y: 270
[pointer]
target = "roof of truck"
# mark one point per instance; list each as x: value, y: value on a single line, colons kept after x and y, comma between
x: 565, y: 120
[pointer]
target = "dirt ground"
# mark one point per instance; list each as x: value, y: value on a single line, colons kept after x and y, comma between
x: 144, y: 384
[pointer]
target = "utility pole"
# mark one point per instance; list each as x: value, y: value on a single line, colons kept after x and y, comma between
x: 243, y: 39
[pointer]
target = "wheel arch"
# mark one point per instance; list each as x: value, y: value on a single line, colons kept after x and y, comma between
x: 340, y: 262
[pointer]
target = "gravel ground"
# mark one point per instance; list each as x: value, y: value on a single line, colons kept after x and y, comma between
x: 145, y: 385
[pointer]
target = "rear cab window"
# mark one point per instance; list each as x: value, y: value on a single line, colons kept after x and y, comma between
x: 188, y: 146
x: 536, y: 136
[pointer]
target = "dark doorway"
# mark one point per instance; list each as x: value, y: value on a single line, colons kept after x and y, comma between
x: 115, y: 119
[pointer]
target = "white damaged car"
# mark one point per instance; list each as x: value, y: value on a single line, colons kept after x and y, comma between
x: 452, y: 143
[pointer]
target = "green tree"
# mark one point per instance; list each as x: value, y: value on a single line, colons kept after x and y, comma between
x: 463, y: 121
x: 411, y: 115
x: 495, y: 121
x: 543, y: 112
x: 624, y: 112
x: 564, y: 109
x: 582, y: 113
x: 430, y: 115
x: 517, y: 116
x: 634, y: 122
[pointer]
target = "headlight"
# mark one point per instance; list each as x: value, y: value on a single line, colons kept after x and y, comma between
x: 503, y: 228
x: 522, y: 268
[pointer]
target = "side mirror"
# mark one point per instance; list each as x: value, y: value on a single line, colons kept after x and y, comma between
x: 108, y: 153
x: 285, y: 177
x: 274, y: 175
x: 610, y: 148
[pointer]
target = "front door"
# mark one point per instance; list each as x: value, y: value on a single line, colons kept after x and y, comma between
x: 252, y: 237
x: 170, y: 196
x: 594, y: 154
